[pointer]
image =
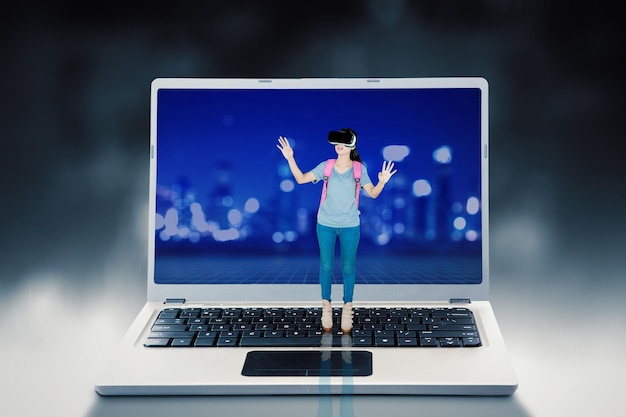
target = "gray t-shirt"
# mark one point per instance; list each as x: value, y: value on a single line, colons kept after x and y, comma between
x: 339, y: 208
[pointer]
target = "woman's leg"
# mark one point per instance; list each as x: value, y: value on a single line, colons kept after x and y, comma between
x: 349, y: 243
x: 326, y: 237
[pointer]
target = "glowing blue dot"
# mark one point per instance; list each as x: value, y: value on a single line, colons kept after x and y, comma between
x: 459, y: 223
x: 235, y: 217
x: 171, y: 222
x: 278, y: 237
x: 287, y: 186
x: 290, y: 236
x: 194, y: 237
x: 382, y: 239
x: 227, y: 201
x: 421, y: 188
x: 183, y: 232
x: 471, y: 235
x: 473, y: 205
x: 443, y: 155
x: 396, y: 152
x: 252, y: 205
x: 195, y: 208
x: 226, y: 235
x: 159, y: 221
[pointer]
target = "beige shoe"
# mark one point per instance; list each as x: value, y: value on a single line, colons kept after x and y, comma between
x: 346, y: 318
x: 327, y: 315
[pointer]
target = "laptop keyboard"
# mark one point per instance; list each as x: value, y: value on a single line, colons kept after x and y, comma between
x: 301, y: 327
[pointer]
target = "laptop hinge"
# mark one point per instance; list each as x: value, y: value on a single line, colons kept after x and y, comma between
x: 460, y: 301
x: 175, y: 301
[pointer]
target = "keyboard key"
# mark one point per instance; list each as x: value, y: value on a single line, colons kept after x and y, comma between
x: 211, y: 312
x: 190, y: 312
x: 207, y: 335
x: 169, y: 335
x: 181, y: 342
x: 449, y: 342
x: 452, y: 320
x: 443, y: 333
x: 232, y: 312
x: 221, y: 327
x: 407, y: 341
x: 471, y: 341
x: 170, y: 321
x: 156, y: 342
x: 169, y: 313
x: 204, y: 342
x: 280, y: 341
x: 252, y: 333
x: 384, y: 333
x: 428, y: 342
x: 361, y: 341
x: 230, y: 333
x: 169, y: 328
x: 199, y: 328
x: 468, y: 327
x: 384, y: 341
x: 416, y: 327
x: 226, y: 341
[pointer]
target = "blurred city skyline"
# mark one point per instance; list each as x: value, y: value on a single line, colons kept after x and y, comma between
x: 217, y: 157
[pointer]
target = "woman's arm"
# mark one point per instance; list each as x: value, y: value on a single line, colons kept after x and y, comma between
x: 383, y: 178
x: 287, y: 151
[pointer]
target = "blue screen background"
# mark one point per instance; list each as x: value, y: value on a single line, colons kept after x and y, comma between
x: 228, y: 210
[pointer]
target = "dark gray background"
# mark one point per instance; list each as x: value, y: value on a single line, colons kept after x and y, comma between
x: 74, y: 171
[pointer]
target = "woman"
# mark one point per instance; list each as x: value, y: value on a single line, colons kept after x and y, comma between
x: 338, y: 216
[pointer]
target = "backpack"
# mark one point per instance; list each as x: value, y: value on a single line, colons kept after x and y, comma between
x: 328, y: 169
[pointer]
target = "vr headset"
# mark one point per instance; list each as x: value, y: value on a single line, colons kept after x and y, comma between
x: 346, y: 137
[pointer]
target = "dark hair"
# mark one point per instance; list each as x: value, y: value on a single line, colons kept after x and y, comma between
x: 354, y: 154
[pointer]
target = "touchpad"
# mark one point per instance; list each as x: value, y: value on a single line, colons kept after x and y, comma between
x: 308, y: 363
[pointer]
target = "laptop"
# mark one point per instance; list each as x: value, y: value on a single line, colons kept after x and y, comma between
x: 233, y: 292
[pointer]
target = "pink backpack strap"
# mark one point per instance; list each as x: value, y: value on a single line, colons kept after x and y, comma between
x: 356, y: 170
x: 328, y: 169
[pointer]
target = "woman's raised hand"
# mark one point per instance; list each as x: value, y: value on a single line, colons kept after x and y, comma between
x: 386, y: 173
x: 285, y: 147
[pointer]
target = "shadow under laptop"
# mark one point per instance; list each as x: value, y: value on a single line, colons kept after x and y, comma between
x: 345, y: 405
x: 332, y: 401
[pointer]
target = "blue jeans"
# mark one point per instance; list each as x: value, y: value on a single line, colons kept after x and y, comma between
x: 348, y: 243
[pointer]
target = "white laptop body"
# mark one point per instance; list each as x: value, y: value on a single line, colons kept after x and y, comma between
x: 229, y: 228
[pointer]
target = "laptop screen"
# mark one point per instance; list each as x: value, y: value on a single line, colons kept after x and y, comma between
x: 228, y: 210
